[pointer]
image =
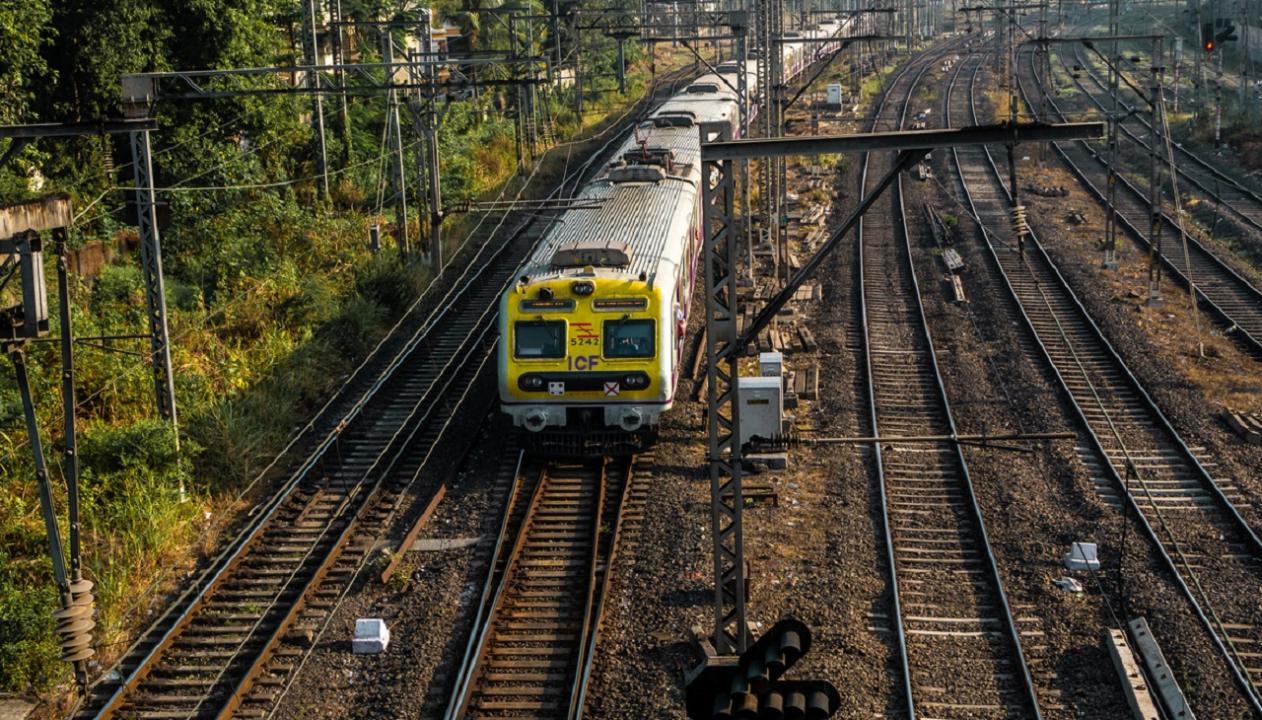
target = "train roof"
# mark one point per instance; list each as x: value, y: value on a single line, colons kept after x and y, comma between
x: 647, y: 217
x: 714, y: 108
x: 684, y: 141
x: 710, y: 85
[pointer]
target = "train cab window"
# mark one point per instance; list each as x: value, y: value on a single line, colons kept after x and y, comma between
x: 539, y: 339
x: 629, y: 338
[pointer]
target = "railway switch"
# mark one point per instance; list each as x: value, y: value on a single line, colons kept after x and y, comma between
x: 751, y: 686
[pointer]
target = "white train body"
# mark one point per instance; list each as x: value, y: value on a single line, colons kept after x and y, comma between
x: 593, y: 334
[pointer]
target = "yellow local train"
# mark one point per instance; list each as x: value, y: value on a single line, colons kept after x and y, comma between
x: 593, y: 333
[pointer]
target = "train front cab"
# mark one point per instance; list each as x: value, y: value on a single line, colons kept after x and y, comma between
x: 586, y: 364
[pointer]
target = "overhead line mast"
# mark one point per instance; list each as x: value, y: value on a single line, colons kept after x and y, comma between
x: 724, y: 345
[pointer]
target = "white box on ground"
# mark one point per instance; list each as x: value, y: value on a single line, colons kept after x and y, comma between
x: 371, y: 636
x: 1082, y: 556
x: 761, y: 406
x: 834, y: 94
x: 771, y: 364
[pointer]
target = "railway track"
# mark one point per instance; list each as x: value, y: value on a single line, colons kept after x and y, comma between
x: 535, y: 634
x: 1233, y: 299
x: 1219, y: 188
x: 220, y: 648
x: 1136, y: 457
x: 958, y: 641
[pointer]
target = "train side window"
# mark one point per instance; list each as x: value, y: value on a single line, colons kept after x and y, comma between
x: 539, y: 339
x: 629, y: 338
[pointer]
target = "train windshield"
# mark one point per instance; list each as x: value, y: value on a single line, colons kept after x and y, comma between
x: 539, y: 339
x: 628, y: 338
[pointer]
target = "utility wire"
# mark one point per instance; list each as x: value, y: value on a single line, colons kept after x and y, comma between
x: 267, y: 185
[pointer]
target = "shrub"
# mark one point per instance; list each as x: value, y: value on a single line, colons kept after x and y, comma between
x: 360, y: 322
x: 28, y: 646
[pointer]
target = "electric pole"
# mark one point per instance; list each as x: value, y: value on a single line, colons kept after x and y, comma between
x: 1111, y: 216
x: 395, y: 139
x: 1154, y: 181
x: 313, y: 81
x: 431, y: 121
x: 339, y: 77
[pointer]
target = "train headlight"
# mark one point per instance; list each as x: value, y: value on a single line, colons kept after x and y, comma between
x: 635, y: 381
x: 530, y: 382
x: 536, y: 420
x: 582, y: 288
x: 631, y: 420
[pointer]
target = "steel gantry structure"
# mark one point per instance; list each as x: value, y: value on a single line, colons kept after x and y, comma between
x: 137, y: 129
x: 724, y: 345
x: 21, y: 255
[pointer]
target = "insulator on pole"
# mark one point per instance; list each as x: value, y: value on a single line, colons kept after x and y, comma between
x: 75, y: 623
x: 1019, y: 225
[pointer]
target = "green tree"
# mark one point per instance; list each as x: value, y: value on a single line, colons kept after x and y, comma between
x: 24, y: 28
x: 97, y: 42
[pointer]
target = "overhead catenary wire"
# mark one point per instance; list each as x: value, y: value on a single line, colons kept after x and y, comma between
x: 520, y: 191
x: 95, y: 202
x: 1208, y: 613
x: 569, y: 145
x: 565, y: 178
x: 78, y: 218
x: 84, y: 401
x: 268, y: 185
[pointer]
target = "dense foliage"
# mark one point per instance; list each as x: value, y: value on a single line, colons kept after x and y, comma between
x: 273, y: 296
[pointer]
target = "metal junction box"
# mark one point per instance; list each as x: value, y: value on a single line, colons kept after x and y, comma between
x: 761, y: 406
x: 834, y: 97
x: 771, y: 364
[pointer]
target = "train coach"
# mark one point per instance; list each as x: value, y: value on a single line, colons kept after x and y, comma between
x: 593, y: 331
x: 592, y: 334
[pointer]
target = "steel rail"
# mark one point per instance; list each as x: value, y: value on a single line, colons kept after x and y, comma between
x: 420, y: 418
x: 1218, y: 175
x: 348, y: 514
x: 942, y: 411
x: 363, y: 561
x: 1014, y: 635
x: 1162, y: 420
x: 1216, y: 195
x: 509, y: 576
x: 1130, y: 381
x: 870, y: 386
x: 587, y: 661
x: 1210, y: 262
x: 587, y: 633
x: 186, y: 606
x: 397, y: 447
x: 476, y: 651
x: 491, y: 587
x: 237, y: 550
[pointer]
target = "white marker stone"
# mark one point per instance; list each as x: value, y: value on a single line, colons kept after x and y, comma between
x: 371, y: 636
x: 1082, y: 556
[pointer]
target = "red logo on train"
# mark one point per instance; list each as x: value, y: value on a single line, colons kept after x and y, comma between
x: 584, y: 330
